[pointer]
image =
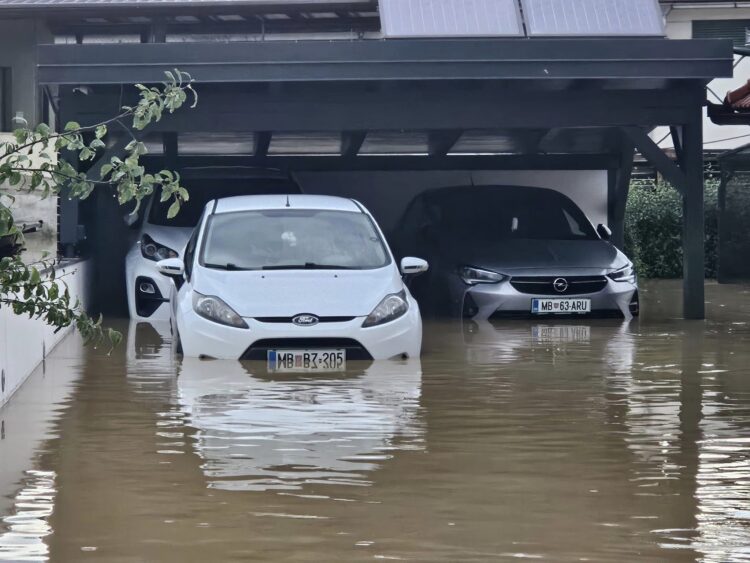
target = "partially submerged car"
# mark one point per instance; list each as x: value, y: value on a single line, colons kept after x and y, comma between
x: 500, y: 251
x: 160, y: 237
x: 299, y: 281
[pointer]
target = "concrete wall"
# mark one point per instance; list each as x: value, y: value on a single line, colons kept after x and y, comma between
x: 25, y: 342
x: 680, y: 26
x: 386, y: 194
x: 28, y: 420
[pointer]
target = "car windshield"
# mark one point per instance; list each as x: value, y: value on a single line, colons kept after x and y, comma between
x: 508, y: 213
x: 201, y: 194
x: 293, y: 239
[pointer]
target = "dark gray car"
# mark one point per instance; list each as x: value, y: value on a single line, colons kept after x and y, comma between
x: 513, y: 251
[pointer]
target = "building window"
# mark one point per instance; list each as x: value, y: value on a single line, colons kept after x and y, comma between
x: 722, y: 29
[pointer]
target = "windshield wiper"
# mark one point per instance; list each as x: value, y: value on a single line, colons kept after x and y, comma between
x: 307, y: 266
x: 229, y: 267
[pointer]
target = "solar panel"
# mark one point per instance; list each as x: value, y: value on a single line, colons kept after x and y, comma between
x: 450, y: 18
x: 593, y: 18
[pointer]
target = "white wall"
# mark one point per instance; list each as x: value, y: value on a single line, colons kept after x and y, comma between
x: 24, y: 342
x: 679, y: 26
x: 387, y: 193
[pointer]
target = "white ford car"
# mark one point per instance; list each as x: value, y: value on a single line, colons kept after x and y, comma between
x: 301, y: 282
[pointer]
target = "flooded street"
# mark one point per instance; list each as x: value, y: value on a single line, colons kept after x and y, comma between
x: 562, y: 441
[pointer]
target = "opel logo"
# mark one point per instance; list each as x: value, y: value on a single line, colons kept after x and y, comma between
x: 560, y: 285
x: 305, y: 320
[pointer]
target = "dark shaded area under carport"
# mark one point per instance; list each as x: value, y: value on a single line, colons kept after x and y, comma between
x: 537, y: 104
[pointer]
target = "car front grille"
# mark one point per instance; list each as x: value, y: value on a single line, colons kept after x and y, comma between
x: 259, y: 349
x: 545, y: 285
x: 288, y: 320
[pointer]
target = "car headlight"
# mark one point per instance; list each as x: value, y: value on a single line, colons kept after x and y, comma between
x: 389, y: 309
x: 626, y: 274
x: 473, y: 276
x: 151, y: 250
x: 214, y: 309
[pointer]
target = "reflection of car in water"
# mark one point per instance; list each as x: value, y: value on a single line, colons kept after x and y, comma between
x: 270, y: 277
x: 492, y: 343
x: 513, y: 251
x: 160, y: 237
x: 260, y: 431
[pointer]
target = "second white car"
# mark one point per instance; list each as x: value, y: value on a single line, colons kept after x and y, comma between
x: 301, y: 282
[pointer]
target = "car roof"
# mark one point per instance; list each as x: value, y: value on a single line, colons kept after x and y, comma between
x: 291, y: 201
x: 494, y: 188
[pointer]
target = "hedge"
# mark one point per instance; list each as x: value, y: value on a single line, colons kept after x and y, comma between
x: 653, y: 229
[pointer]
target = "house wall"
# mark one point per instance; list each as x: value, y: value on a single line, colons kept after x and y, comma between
x: 18, y: 41
x: 679, y: 25
x: 24, y: 342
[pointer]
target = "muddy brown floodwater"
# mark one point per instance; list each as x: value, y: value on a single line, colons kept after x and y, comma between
x: 561, y: 441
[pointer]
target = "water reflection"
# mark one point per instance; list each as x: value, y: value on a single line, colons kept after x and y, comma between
x: 261, y: 431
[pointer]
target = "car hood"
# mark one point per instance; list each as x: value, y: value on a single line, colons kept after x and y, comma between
x: 175, y: 238
x: 517, y: 256
x: 285, y: 293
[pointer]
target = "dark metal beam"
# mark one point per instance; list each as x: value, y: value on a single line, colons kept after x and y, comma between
x: 351, y: 142
x: 338, y: 108
x: 407, y: 59
x: 676, y: 135
x: 148, y: 9
x: 693, y: 234
x: 617, y: 193
x: 160, y: 28
x: 365, y: 163
x: 655, y: 155
x: 439, y: 143
x: 262, y: 142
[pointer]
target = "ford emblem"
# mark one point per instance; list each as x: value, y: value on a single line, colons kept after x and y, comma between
x: 305, y: 320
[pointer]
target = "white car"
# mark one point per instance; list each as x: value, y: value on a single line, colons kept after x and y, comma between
x: 160, y: 237
x: 300, y: 281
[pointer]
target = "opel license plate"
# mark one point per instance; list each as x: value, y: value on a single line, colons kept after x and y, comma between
x: 560, y: 306
x: 306, y: 360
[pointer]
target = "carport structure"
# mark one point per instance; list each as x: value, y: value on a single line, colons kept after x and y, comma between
x: 362, y: 102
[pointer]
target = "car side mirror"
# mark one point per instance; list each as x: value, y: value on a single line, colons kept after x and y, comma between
x: 130, y: 220
x: 604, y: 232
x: 411, y: 266
x: 171, y: 267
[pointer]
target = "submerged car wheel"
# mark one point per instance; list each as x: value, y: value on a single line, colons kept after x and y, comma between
x: 635, y: 306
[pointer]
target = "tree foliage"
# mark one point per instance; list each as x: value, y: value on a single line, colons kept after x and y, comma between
x: 653, y: 229
x: 40, y: 160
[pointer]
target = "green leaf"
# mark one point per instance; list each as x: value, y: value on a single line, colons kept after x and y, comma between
x: 100, y: 131
x: 43, y: 129
x: 34, y: 276
x: 174, y: 209
x: 72, y: 126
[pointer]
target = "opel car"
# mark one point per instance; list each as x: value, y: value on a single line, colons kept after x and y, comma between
x: 298, y: 281
x: 509, y: 251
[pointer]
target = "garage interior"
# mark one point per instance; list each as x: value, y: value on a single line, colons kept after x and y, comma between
x: 334, y: 94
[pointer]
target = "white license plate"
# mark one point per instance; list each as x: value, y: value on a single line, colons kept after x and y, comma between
x: 560, y: 306
x: 306, y: 360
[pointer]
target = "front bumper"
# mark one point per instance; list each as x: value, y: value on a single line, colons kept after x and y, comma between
x: 203, y: 338
x: 483, y: 301
x: 141, y: 306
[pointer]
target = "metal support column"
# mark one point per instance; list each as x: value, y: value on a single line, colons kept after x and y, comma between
x: 693, y: 236
x: 617, y: 194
